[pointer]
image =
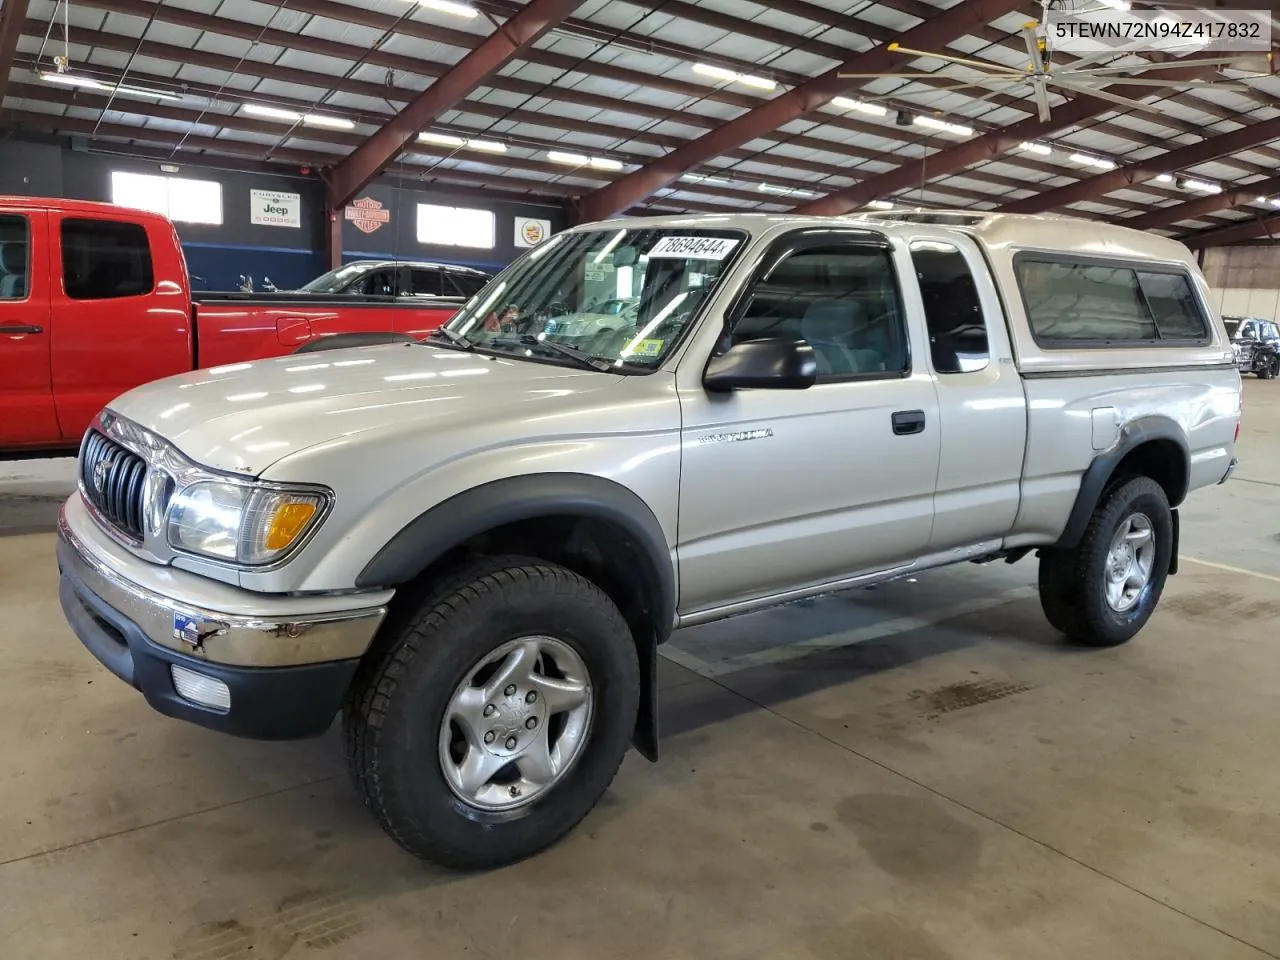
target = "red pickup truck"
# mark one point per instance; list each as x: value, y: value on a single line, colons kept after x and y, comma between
x: 95, y: 299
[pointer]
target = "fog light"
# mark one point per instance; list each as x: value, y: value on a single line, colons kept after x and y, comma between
x: 200, y: 689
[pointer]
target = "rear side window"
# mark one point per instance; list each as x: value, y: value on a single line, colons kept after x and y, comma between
x: 15, y: 258
x: 467, y: 284
x: 105, y: 259
x: 426, y: 283
x: 1071, y: 303
x: 957, y: 329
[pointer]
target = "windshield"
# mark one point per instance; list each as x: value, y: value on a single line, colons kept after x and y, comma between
x: 620, y: 297
x: 337, y: 280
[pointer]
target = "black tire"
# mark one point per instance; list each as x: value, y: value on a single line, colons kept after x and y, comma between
x: 395, y: 710
x: 1269, y: 369
x: 1072, y: 582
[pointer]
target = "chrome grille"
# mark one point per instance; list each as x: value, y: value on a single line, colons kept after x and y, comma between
x: 114, y: 481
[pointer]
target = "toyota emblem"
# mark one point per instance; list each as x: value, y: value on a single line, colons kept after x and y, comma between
x: 100, y: 474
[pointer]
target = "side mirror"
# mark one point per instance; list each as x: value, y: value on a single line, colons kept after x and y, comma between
x: 763, y: 365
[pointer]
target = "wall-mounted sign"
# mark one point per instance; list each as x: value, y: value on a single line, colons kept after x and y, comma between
x: 367, y: 214
x: 530, y: 233
x: 268, y: 208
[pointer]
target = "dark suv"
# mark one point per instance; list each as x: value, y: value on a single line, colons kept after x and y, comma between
x: 1256, y: 343
x: 400, y: 278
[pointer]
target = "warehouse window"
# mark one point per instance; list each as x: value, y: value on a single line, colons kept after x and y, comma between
x: 1070, y: 303
x: 105, y: 259
x: 15, y: 258
x: 181, y: 200
x: 455, y: 226
x: 957, y: 330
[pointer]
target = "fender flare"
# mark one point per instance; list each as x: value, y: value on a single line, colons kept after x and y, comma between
x: 1099, y: 473
x: 341, y: 341
x: 430, y: 535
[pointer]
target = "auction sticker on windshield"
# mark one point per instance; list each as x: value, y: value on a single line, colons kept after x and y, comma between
x: 692, y: 248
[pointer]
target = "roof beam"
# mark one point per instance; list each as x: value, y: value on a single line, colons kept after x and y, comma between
x: 13, y: 13
x: 989, y: 146
x: 1183, y: 158
x: 1205, y: 207
x: 507, y: 41
x: 786, y: 108
x: 1258, y: 228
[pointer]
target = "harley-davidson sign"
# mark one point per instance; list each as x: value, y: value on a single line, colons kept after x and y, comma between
x: 367, y: 214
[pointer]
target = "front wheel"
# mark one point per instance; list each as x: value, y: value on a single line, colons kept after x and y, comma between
x: 1103, y: 591
x: 495, y: 720
x: 1270, y: 369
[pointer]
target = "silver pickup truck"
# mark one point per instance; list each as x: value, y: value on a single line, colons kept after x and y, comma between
x: 471, y: 547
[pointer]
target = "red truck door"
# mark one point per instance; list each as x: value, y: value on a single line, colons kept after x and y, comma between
x: 26, y: 391
x: 121, y: 315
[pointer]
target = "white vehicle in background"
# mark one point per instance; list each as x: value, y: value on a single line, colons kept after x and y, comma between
x: 472, y: 547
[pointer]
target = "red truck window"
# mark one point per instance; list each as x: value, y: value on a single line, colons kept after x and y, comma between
x: 105, y: 259
x: 15, y: 259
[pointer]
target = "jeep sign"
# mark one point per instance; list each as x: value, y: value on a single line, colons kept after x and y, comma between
x: 271, y: 209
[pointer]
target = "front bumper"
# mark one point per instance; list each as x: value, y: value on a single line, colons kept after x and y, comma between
x: 286, y: 672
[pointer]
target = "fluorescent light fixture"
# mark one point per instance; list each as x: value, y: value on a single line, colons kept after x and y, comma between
x: 455, y: 9
x: 1115, y: 4
x: 71, y: 80
x: 449, y: 140
x: 933, y: 123
x: 880, y: 205
x: 746, y: 79
x: 443, y: 139
x: 1201, y: 186
x: 1165, y: 178
x: 1087, y: 161
x: 871, y: 109
x: 784, y: 191
x: 578, y: 160
x: 271, y: 113
x: 89, y: 83
x: 331, y: 123
x: 1041, y: 148
x: 703, y: 178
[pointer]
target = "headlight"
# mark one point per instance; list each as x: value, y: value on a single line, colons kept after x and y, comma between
x: 241, y: 523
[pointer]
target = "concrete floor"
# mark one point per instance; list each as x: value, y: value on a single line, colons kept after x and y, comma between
x: 918, y: 772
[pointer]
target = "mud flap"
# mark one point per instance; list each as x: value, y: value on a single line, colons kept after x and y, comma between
x: 1173, y: 556
x: 645, y: 736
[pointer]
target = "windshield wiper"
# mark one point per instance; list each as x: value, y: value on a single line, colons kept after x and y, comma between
x: 455, y: 338
x: 529, y: 340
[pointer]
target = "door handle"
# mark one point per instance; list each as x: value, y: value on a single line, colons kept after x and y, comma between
x: 907, y: 422
x: 20, y: 328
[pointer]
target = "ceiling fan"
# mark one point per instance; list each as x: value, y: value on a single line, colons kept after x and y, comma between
x: 1089, y: 75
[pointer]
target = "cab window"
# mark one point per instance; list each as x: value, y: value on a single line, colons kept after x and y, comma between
x: 843, y: 300
x: 957, y: 329
x: 464, y: 284
x: 15, y: 258
x: 105, y: 259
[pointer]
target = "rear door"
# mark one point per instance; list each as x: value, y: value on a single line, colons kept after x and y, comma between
x: 27, y: 415
x: 982, y: 404
x: 120, y: 312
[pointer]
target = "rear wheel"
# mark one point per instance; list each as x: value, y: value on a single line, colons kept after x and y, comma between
x: 496, y: 718
x: 1103, y: 591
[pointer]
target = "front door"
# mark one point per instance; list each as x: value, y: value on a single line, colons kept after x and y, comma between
x: 784, y: 489
x: 27, y: 415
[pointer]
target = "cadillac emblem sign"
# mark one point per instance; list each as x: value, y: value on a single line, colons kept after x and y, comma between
x: 367, y: 214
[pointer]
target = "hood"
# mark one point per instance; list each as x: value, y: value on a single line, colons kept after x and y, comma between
x: 243, y: 417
